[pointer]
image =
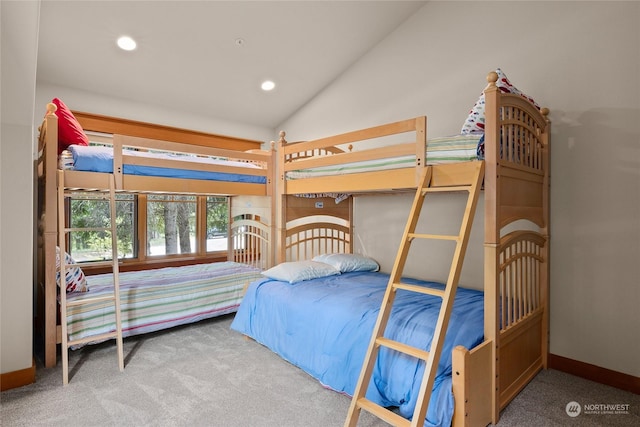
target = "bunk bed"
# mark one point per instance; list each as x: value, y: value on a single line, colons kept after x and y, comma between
x: 152, y: 299
x: 485, y: 367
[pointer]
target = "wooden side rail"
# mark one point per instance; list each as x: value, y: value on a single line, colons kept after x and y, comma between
x: 362, y: 144
x: 387, y: 141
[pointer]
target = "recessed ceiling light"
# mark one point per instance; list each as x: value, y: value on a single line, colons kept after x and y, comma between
x: 267, y: 85
x: 126, y: 43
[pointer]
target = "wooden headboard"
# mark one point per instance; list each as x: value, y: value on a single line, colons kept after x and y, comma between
x: 314, y: 226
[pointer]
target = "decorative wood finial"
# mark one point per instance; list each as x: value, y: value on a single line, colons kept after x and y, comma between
x: 282, y: 135
x: 273, y: 145
x: 51, y: 108
x: 544, y: 111
x: 492, y: 78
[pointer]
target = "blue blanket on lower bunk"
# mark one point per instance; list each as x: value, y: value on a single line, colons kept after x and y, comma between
x: 324, y: 326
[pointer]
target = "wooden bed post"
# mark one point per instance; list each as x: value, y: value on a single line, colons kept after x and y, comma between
x: 271, y: 167
x: 471, y: 381
x: 421, y: 147
x: 50, y: 231
x: 117, y: 161
x: 492, y: 235
x: 545, y: 283
x: 280, y: 198
x: 272, y: 193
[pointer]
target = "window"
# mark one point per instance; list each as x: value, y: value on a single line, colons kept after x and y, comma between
x: 171, y: 225
x: 217, y: 223
x: 90, y: 220
x: 148, y: 226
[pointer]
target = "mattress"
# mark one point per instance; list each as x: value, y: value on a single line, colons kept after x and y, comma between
x: 324, y: 326
x: 156, y: 299
x: 100, y: 159
x: 442, y: 150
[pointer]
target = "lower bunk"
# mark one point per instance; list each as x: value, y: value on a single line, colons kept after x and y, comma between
x: 496, y: 337
x: 156, y: 299
x: 323, y: 325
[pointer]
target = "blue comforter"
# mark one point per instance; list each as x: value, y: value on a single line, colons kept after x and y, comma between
x: 324, y: 327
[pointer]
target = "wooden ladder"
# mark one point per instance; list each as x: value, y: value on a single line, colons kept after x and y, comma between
x: 115, y: 297
x: 430, y: 358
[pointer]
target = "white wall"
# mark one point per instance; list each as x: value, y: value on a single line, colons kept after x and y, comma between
x: 583, y: 62
x: 98, y: 104
x: 18, y: 68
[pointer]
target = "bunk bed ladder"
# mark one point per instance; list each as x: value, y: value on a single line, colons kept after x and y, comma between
x: 114, y: 298
x: 430, y: 358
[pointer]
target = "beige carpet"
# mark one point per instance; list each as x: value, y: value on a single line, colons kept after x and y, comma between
x: 208, y: 375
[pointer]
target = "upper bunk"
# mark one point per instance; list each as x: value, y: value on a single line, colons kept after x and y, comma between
x: 512, y: 140
x: 150, y: 165
x: 355, y: 162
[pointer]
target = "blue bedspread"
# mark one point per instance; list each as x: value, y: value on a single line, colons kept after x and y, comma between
x: 100, y: 159
x: 324, y: 327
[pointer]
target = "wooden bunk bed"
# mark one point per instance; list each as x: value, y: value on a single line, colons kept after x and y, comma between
x: 246, y: 176
x: 514, y: 344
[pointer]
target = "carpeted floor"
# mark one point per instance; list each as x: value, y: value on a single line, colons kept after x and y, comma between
x: 208, y: 375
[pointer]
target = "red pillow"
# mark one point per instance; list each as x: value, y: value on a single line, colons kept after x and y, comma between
x: 69, y: 130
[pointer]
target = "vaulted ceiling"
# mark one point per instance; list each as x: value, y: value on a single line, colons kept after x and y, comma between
x: 210, y: 57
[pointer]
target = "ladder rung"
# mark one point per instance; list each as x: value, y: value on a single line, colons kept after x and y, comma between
x: 382, y: 413
x: 418, y: 353
x: 99, y: 337
x: 433, y: 236
x: 420, y: 289
x: 90, y: 300
x: 446, y: 189
x: 69, y: 266
x: 68, y: 230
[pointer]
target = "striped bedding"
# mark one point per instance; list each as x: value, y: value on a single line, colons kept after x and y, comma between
x: 157, y: 299
x: 448, y: 149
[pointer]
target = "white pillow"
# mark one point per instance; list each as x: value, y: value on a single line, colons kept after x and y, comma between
x: 346, y: 263
x: 297, y: 271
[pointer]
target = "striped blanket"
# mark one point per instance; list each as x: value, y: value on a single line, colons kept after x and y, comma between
x: 157, y: 299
